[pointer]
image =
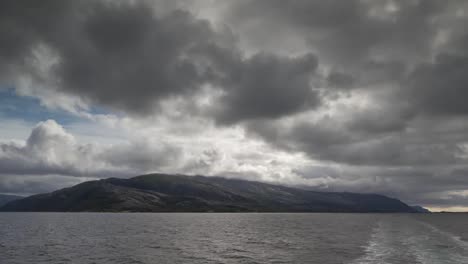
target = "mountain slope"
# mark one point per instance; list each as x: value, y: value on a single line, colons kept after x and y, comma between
x: 420, y: 209
x: 4, y: 198
x: 177, y: 193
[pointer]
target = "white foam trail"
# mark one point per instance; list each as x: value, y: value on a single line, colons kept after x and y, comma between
x: 454, y: 238
x: 405, y: 240
x: 379, y: 248
x: 434, y: 246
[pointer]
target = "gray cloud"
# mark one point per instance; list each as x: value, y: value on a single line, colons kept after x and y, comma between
x: 443, y: 186
x: 329, y: 140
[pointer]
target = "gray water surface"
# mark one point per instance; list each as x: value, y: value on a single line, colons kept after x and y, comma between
x: 232, y: 238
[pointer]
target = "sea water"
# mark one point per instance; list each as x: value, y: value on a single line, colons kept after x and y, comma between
x: 232, y: 238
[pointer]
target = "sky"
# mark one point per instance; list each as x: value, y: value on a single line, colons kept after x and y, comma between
x: 358, y: 95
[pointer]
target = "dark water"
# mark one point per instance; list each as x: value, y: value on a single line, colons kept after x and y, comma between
x: 232, y: 238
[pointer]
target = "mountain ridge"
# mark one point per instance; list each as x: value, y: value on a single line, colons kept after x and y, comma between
x: 6, y: 198
x: 181, y: 193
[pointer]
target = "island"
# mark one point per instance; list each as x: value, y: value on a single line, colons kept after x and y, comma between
x: 181, y: 193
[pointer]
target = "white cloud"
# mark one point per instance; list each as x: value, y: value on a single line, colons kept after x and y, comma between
x: 50, y: 149
x: 149, y: 146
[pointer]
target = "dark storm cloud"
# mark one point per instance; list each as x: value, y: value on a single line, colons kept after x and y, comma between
x: 440, y: 87
x: 117, y: 54
x: 130, y: 59
x: 269, y: 86
x: 22, y: 26
x: 350, y: 35
x: 123, y: 55
x: 339, y: 80
x: 387, y: 45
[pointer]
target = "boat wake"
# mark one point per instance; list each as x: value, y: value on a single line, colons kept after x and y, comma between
x: 406, y: 240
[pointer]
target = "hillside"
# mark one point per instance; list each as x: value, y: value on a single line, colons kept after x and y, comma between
x: 178, y: 193
x: 4, y: 198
